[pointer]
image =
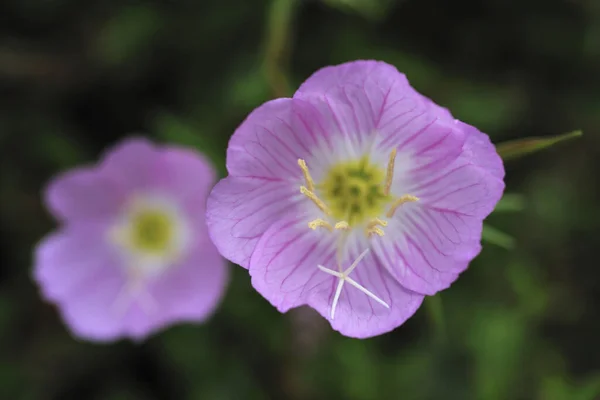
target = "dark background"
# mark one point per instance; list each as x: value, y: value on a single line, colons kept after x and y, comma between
x: 522, y: 323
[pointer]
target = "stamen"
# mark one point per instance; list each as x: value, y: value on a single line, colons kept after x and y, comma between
x: 342, y: 225
x: 315, y: 199
x: 407, y: 198
x: 377, y: 221
x: 389, y: 176
x: 372, y: 227
x: 320, y: 223
x: 309, y: 182
x: 375, y: 230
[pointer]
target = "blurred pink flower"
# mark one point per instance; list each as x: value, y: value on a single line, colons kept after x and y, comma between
x: 132, y: 255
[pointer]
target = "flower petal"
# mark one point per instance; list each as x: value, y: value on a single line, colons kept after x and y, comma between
x: 428, y: 243
x: 284, y: 270
x: 90, y: 313
x: 374, y: 100
x: 273, y: 137
x: 425, y: 251
x: 188, y: 291
x: 480, y: 150
x: 83, y: 193
x: 357, y: 314
x: 240, y: 210
x: 133, y: 162
x: 65, y: 259
x: 467, y: 186
x: 188, y: 176
x: 76, y: 270
x: 192, y: 289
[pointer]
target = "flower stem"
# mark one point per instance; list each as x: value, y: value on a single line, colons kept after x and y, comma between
x: 278, y: 46
x: 435, y: 312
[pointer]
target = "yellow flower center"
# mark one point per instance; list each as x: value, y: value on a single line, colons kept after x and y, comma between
x: 354, y: 193
x: 151, y: 231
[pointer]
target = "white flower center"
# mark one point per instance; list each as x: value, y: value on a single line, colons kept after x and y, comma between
x: 354, y: 194
x: 150, y: 233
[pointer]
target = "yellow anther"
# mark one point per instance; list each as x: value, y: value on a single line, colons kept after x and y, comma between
x: 315, y: 199
x: 342, y: 225
x: 389, y: 176
x: 309, y: 182
x: 407, y: 198
x: 377, y: 221
x: 375, y: 230
x: 320, y: 223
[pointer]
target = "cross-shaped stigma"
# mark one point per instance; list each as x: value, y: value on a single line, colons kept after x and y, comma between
x: 345, y: 277
x: 134, y: 290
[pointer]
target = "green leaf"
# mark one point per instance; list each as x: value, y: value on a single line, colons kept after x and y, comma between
x: 497, y: 237
x: 62, y: 150
x: 510, y: 202
x: 499, y: 346
x: 559, y: 388
x: 520, y: 147
x: 525, y: 278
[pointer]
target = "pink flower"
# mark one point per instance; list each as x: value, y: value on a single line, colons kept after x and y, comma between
x: 132, y: 255
x: 357, y: 160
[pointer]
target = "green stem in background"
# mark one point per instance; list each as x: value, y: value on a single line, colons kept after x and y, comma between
x: 278, y: 46
x: 435, y: 313
x: 520, y: 147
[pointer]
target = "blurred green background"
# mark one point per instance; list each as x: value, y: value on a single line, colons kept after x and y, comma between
x: 523, y: 321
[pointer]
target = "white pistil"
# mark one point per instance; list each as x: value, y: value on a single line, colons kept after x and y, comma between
x: 344, y: 277
x: 134, y: 291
